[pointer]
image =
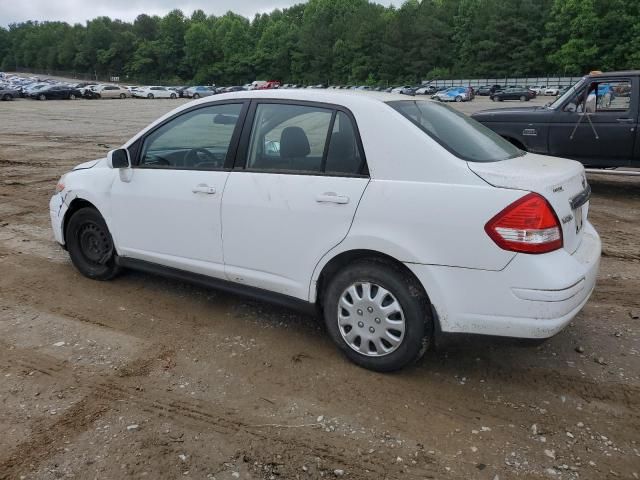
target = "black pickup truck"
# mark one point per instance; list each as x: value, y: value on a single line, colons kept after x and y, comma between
x: 594, y: 122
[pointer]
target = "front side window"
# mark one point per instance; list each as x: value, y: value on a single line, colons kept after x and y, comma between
x: 198, y: 139
x: 462, y: 136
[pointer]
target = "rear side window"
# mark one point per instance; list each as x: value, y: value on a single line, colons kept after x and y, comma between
x: 305, y: 139
x: 459, y: 134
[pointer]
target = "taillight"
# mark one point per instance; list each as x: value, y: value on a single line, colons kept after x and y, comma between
x: 528, y: 225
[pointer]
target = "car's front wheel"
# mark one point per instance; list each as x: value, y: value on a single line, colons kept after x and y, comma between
x: 42, y: 96
x: 458, y: 98
x: 123, y: 96
x: 378, y: 315
x: 172, y: 96
x: 196, y: 96
x: 90, y: 245
x: 523, y: 98
x: 150, y: 96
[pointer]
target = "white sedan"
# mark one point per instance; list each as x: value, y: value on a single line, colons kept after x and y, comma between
x: 396, y: 218
x: 553, y: 91
x: 153, y: 92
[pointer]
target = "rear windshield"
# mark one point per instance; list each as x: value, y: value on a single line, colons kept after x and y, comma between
x: 461, y: 135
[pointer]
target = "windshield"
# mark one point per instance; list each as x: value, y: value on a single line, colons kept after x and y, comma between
x: 459, y: 134
x: 560, y: 100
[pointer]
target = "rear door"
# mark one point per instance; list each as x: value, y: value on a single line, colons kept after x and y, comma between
x: 598, y: 125
x: 299, y: 176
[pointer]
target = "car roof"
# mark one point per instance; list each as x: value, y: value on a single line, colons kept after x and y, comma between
x: 347, y: 98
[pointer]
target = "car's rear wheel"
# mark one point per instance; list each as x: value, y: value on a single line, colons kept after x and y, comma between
x: 90, y: 245
x: 523, y: 98
x: 42, y: 96
x: 173, y: 96
x: 123, y: 96
x: 378, y: 315
x: 458, y: 98
x: 196, y: 95
x: 72, y: 96
x: 7, y: 96
x: 494, y: 99
x: 150, y: 96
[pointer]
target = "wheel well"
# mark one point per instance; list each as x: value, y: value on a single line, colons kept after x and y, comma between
x: 76, y: 205
x: 515, y: 143
x: 342, y: 260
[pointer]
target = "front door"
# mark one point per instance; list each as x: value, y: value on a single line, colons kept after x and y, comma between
x: 293, y: 197
x: 598, y: 125
x: 166, y: 209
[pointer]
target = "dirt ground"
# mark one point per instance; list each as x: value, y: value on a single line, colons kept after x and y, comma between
x: 145, y: 377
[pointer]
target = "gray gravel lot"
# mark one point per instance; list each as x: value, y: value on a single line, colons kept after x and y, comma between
x: 148, y: 377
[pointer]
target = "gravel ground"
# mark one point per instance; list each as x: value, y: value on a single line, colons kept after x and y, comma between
x: 149, y: 377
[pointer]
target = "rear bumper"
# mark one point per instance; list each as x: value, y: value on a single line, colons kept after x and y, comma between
x: 535, y: 296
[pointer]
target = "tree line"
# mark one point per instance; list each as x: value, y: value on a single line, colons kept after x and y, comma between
x: 340, y: 42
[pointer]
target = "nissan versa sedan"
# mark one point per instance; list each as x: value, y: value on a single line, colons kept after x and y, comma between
x: 394, y: 217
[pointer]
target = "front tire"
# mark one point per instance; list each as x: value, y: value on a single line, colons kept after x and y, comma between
x: 196, y: 96
x: 523, y: 98
x: 150, y: 96
x: 458, y: 98
x: 173, y: 96
x: 42, y: 97
x: 90, y: 245
x: 378, y: 315
x: 123, y: 96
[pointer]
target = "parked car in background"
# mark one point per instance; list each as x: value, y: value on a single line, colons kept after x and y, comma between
x: 111, y: 91
x: 269, y: 84
x: 7, y: 93
x: 198, y: 91
x: 492, y: 257
x: 554, y: 91
x: 235, y: 88
x: 453, y: 94
x: 56, y: 92
x: 34, y: 87
x: 484, y: 90
x: 401, y: 88
x: 154, y: 92
x: 607, y: 137
x: 539, y: 89
x: 515, y: 93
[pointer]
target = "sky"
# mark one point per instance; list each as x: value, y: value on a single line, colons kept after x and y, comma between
x: 79, y: 11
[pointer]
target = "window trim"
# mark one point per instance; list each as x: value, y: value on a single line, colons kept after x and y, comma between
x: 233, y: 144
x: 242, y: 152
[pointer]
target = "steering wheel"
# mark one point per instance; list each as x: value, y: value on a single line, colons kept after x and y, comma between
x: 196, y: 156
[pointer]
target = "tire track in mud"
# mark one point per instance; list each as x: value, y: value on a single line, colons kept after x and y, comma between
x: 109, y: 393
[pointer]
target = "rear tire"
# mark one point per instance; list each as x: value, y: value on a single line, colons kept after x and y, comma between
x: 42, y: 97
x: 123, y: 96
x: 90, y: 245
x: 523, y: 98
x: 196, y: 96
x: 383, y: 330
x: 72, y: 97
x: 150, y: 96
x: 458, y: 98
x: 7, y: 97
x: 172, y: 96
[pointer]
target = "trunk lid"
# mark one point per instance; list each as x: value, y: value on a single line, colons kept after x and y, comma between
x: 562, y: 182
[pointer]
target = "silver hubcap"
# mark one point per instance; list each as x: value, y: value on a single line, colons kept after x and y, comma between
x: 370, y: 319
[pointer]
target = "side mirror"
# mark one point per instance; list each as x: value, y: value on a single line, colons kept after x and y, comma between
x: 119, y: 158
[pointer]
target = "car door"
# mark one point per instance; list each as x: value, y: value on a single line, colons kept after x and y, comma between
x: 598, y: 124
x: 292, y: 196
x: 166, y: 208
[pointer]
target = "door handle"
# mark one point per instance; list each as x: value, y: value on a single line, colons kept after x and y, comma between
x: 625, y: 120
x: 204, y: 189
x: 332, y: 197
